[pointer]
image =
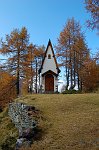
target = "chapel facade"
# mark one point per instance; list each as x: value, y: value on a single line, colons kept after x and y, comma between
x: 49, y: 71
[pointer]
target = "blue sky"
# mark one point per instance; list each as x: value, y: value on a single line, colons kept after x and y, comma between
x: 44, y: 19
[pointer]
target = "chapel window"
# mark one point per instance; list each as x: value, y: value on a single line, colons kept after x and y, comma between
x: 49, y: 56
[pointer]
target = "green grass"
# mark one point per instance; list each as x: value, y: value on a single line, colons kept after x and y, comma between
x: 68, y: 122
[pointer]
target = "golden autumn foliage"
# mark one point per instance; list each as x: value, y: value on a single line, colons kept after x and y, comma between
x: 15, y: 47
x: 80, y: 70
x: 23, y: 58
x: 7, y: 88
x: 34, y: 58
x: 92, y: 7
x: 72, y: 50
x: 90, y: 76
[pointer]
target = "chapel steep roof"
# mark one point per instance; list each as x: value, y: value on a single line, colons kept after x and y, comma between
x: 49, y: 44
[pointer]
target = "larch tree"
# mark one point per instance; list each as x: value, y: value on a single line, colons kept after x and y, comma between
x: 15, y: 47
x: 7, y: 88
x: 92, y: 7
x: 81, y: 54
x: 33, y: 63
x: 31, y: 56
x: 71, y: 50
x: 38, y: 56
x: 90, y: 75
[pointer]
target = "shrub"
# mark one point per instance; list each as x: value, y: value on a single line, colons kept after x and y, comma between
x: 71, y: 92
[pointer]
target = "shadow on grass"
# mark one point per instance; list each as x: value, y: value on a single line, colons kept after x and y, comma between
x: 38, y: 134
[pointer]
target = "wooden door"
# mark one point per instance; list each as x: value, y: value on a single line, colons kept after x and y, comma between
x: 49, y: 82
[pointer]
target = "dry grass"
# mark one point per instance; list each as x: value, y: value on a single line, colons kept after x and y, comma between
x: 69, y: 122
x: 8, y: 132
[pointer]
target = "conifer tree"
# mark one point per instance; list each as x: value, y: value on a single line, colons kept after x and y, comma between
x: 33, y: 63
x: 15, y: 47
x: 92, y: 7
x: 71, y: 51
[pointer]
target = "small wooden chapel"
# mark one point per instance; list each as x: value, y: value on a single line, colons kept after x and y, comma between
x: 49, y: 71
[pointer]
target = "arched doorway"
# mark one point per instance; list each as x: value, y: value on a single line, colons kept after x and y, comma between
x: 49, y: 83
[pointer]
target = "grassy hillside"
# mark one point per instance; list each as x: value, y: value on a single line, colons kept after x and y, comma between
x: 8, y: 132
x: 68, y: 122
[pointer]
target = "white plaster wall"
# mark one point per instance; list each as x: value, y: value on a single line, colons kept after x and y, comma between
x: 43, y: 83
x: 55, y: 83
x: 49, y: 64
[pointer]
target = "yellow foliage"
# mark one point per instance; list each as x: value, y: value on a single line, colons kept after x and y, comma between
x: 7, y: 88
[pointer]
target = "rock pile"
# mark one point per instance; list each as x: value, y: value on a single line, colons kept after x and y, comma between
x: 23, y: 116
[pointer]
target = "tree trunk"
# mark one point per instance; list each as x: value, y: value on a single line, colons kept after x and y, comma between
x: 36, y: 76
x: 18, y: 74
